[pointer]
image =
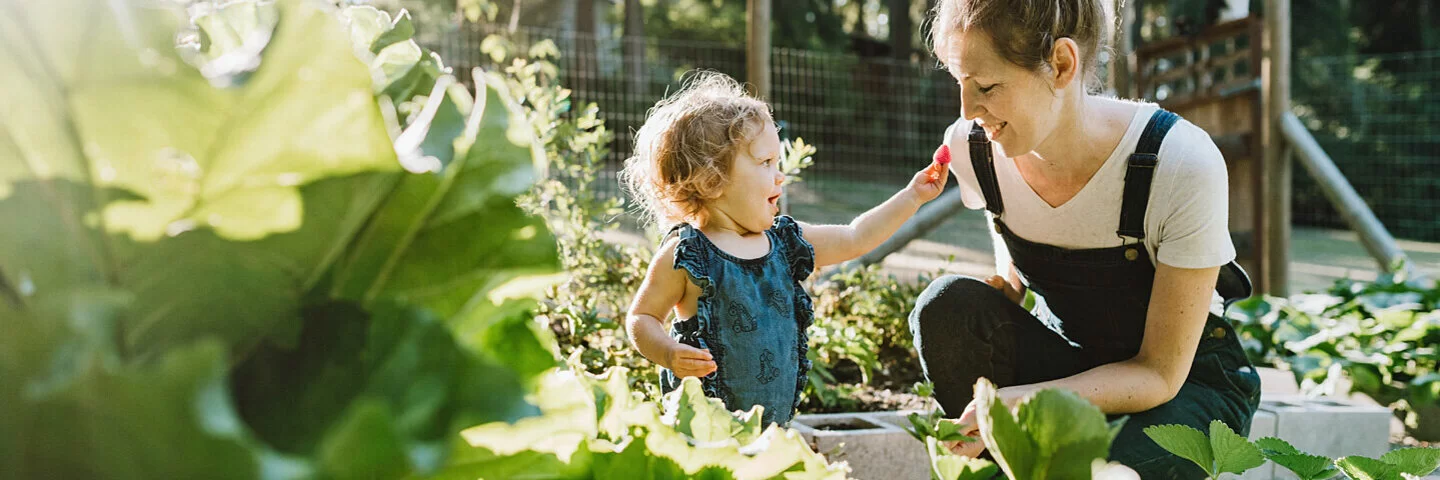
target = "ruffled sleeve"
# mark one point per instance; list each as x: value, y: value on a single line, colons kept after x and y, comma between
x: 801, y: 254
x: 802, y: 263
x: 690, y: 255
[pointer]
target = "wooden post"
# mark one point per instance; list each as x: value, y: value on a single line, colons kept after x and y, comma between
x: 1277, y: 168
x: 1122, y: 67
x: 757, y: 53
x: 634, y: 50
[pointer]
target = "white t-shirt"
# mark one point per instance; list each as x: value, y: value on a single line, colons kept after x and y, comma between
x: 1186, y: 224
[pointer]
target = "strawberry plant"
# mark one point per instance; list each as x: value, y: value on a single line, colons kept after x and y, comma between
x: 1227, y: 452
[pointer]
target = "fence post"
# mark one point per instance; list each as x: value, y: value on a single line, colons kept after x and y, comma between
x: 757, y: 53
x: 1276, y: 169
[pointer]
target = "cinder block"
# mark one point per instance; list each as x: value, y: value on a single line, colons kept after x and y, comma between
x: 876, y: 447
x: 1328, y: 427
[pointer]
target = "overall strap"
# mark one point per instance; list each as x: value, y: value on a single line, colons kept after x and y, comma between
x: 1139, y: 172
x: 983, y: 160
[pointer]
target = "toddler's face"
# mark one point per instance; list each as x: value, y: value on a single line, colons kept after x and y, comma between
x: 753, y: 195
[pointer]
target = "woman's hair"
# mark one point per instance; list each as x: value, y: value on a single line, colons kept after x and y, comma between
x: 684, y: 151
x: 1025, y: 31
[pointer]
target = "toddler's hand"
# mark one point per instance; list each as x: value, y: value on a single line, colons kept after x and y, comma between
x: 931, y: 181
x: 688, y: 361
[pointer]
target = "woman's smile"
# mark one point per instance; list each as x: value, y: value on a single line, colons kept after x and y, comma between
x: 994, y: 131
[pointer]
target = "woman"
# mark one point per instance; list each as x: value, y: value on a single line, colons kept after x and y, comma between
x: 1113, y: 212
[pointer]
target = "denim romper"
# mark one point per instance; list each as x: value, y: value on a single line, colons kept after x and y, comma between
x: 1101, y: 296
x: 751, y: 315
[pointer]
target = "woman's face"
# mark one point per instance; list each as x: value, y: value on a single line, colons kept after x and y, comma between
x: 1017, y: 107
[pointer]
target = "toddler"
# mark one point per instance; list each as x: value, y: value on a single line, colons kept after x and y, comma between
x: 706, y: 166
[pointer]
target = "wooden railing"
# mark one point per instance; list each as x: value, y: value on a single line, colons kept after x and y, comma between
x: 1222, y: 61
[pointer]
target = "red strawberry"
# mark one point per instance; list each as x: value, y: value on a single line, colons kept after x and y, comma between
x: 942, y: 158
x: 942, y: 155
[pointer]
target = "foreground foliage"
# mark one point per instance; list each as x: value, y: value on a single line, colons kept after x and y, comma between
x: 271, y: 252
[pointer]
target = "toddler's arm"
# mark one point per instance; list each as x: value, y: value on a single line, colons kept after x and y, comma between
x: 838, y: 243
x: 663, y: 288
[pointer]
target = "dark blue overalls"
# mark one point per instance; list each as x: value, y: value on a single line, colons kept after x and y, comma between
x: 965, y: 329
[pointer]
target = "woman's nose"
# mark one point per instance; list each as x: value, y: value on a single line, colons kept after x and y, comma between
x: 970, y: 107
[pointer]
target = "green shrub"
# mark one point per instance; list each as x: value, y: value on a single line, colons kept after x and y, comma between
x: 1382, y: 336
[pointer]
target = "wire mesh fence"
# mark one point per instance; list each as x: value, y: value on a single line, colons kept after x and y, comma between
x: 872, y: 119
x: 876, y: 120
x: 1379, y: 118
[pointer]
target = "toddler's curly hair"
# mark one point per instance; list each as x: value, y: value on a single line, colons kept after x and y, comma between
x: 684, y: 151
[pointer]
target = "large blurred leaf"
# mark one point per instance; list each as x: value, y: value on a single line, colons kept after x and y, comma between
x: 420, y: 384
x: 443, y: 239
x: 235, y: 199
x: 1014, y: 450
x: 82, y: 414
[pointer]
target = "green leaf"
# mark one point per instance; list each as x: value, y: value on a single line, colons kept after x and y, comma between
x: 432, y: 244
x: 568, y: 418
x: 236, y: 29
x: 179, y: 169
x: 99, y: 408
x: 1056, y: 418
x: 1363, y: 468
x: 1186, y: 442
x: 1276, y: 446
x: 948, y: 466
x: 634, y: 461
x: 702, y: 418
x: 399, y: 31
x: 365, y: 443
x: 366, y: 24
x: 1306, y: 466
x: 1076, y: 459
x: 1012, y: 447
x: 476, y: 463
x: 1414, y: 461
x: 1233, y: 453
x: 517, y: 342
x: 403, y: 359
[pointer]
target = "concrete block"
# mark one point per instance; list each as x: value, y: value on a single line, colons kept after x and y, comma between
x: 1328, y: 427
x: 874, y: 444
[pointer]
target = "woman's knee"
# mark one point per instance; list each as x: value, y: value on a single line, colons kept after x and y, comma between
x: 951, y: 301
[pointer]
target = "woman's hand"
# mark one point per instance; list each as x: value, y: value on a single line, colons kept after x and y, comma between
x: 970, y: 427
x: 1004, y: 287
x: 688, y: 361
x: 967, y: 427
